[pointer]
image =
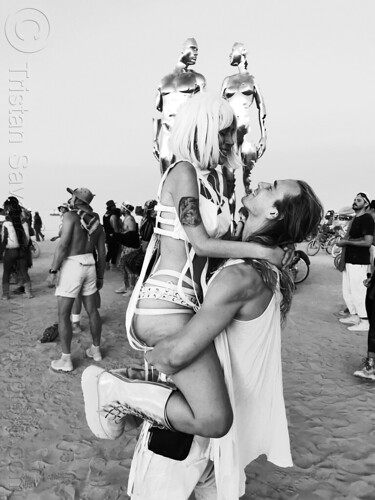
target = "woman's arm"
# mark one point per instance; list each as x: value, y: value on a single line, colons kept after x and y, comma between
x: 183, y: 188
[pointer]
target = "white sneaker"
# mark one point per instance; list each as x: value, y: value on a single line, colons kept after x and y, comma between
x: 94, y: 353
x: 62, y: 365
x: 362, y: 326
x: 350, y: 320
x: 121, y: 289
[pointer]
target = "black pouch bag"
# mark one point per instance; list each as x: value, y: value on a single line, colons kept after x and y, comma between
x: 169, y: 444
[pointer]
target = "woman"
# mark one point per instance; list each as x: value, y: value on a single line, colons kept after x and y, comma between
x: 192, y: 213
x: 15, y: 240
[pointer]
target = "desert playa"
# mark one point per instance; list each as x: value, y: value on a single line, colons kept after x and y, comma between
x: 48, y: 452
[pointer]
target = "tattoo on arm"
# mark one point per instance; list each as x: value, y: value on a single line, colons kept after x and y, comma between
x: 189, y: 211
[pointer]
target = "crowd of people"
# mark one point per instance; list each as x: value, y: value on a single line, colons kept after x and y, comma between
x: 206, y: 306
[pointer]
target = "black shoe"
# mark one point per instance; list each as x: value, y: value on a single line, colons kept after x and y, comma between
x: 19, y: 291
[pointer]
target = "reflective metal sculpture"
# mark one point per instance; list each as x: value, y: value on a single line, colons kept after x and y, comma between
x: 173, y: 90
x: 241, y: 91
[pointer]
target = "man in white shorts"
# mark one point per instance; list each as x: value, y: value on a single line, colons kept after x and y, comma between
x: 77, y: 273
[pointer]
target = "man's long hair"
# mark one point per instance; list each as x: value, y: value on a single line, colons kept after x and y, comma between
x: 298, y: 217
x: 195, y: 133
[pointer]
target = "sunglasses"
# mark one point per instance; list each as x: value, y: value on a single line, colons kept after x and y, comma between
x: 364, y: 196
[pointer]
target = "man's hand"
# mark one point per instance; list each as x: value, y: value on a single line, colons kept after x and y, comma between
x: 289, y: 253
x: 99, y: 283
x: 276, y: 256
x: 342, y: 242
x: 51, y: 280
x: 367, y: 282
x: 155, y: 359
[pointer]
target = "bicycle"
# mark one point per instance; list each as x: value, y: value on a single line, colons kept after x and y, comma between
x: 317, y: 243
x: 300, y: 266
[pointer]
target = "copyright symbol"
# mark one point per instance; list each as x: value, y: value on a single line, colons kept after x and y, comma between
x: 27, y: 30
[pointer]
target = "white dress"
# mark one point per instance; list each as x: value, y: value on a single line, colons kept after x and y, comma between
x: 250, y: 354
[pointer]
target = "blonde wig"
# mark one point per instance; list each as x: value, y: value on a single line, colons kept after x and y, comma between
x: 195, y: 133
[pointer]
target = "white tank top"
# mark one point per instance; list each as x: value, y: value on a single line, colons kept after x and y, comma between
x: 250, y: 353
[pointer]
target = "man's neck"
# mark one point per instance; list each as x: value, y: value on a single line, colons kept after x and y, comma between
x: 252, y: 225
x: 360, y: 212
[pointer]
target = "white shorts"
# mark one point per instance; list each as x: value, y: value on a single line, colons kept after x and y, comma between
x: 154, y: 477
x: 77, y: 273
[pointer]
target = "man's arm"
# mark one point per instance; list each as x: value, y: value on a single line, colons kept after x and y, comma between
x: 100, y: 252
x: 65, y: 240
x: 115, y: 223
x: 228, y: 292
x: 365, y: 241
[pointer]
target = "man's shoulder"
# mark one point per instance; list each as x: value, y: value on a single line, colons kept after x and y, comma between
x: 366, y: 219
x: 238, y: 276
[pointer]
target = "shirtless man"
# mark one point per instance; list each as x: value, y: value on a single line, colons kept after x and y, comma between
x: 81, y: 236
x: 173, y: 90
x: 241, y: 91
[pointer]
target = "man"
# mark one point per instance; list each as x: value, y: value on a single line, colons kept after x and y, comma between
x: 357, y: 259
x: 81, y: 236
x: 173, y: 90
x: 112, y: 225
x: 241, y: 312
x: 368, y: 368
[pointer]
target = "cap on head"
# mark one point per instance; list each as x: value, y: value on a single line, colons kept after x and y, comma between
x: 127, y: 206
x: 110, y: 204
x: 82, y: 194
x: 63, y: 205
x: 365, y: 197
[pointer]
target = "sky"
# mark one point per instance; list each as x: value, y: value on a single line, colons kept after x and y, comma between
x: 78, y: 81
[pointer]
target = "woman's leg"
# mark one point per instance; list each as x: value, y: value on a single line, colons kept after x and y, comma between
x: 25, y: 278
x: 9, y: 259
x: 201, y: 405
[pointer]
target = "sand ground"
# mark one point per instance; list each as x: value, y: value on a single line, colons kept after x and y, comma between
x: 48, y: 452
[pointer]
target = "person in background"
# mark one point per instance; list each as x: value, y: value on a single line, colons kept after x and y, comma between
x: 128, y: 225
x: 356, y: 246
x: 38, y: 224
x: 15, y: 246
x: 112, y: 225
x: 368, y: 367
x: 81, y: 236
x: 147, y: 225
x: 63, y: 208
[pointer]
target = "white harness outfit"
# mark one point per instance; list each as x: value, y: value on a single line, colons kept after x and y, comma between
x: 250, y: 355
x: 214, y: 210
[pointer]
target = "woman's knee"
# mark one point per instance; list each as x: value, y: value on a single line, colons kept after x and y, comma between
x: 217, y: 425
